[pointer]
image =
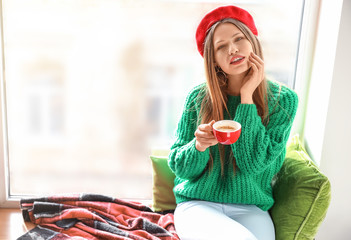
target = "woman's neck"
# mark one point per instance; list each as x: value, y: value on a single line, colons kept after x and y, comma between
x: 235, y: 83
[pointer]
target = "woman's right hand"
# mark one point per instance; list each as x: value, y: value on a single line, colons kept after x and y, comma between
x: 253, y: 79
x: 204, y: 137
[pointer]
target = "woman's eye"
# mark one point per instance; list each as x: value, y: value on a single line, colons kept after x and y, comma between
x: 238, y: 39
x: 221, y: 47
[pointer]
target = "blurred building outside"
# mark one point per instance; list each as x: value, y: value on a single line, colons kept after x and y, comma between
x: 92, y: 86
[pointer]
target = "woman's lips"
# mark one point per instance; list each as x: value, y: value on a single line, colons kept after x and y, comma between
x: 237, y: 60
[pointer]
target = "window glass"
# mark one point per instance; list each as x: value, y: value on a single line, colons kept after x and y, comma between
x: 93, y: 85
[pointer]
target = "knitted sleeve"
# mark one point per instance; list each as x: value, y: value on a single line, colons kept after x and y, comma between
x: 184, y: 159
x: 260, y: 146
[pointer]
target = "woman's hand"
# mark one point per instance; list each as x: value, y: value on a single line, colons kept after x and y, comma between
x: 204, y: 137
x: 252, y: 79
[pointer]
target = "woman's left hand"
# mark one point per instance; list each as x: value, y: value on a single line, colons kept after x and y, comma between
x: 252, y: 79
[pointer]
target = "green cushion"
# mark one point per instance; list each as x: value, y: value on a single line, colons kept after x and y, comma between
x: 302, y: 195
x: 163, y: 178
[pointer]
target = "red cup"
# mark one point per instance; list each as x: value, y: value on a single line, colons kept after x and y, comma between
x: 227, y: 131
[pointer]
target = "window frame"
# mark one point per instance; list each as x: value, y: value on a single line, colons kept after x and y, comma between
x: 6, y: 201
x: 309, y: 21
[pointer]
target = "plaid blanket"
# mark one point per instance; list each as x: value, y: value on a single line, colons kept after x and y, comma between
x: 92, y: 216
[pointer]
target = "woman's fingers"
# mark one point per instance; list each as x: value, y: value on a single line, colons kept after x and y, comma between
x: 257, y: 58
x: 253, y: 78
x: 207, y: 127
x: 257, y: 64
x: 204, y: 136
x: 208, y: 142
x: 254, y: 63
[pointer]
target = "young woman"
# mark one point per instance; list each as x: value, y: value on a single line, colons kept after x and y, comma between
x: 224, y: 192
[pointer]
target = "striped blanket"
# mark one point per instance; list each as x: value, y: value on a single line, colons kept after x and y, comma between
x: 92, y: 216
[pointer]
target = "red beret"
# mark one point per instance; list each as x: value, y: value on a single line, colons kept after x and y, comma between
x: 219, y: 14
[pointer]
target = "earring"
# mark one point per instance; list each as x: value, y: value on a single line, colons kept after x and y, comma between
x: 220, y: 72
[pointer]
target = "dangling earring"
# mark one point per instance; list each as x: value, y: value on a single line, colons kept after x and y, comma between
x: 220, y: 72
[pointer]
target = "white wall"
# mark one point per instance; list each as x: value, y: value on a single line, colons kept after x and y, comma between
x: 335, y: 159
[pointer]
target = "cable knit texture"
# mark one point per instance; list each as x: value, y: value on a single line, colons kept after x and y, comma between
x: 259, y: 152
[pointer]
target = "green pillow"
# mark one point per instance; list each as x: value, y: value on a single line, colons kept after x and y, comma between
x: 302, y: 195
x: 163, y: 178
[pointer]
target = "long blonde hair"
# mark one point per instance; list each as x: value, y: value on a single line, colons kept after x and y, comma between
x: 215, y: 97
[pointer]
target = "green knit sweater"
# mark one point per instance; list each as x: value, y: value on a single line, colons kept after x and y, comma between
x: 259, y: 152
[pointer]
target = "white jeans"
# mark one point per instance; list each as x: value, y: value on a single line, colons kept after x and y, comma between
x: 200, y: 220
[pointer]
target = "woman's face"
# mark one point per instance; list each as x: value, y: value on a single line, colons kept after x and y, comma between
x: 231, y: 49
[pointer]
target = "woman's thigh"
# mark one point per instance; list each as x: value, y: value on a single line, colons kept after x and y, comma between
x: 257, y: 221
x: 202, y: 220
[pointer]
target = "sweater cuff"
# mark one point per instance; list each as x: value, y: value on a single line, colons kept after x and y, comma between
x: 247, y: 113
x: 198, y: 154
x: 187, y: 162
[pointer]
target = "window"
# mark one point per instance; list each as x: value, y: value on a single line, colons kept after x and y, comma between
x: 92, y: 86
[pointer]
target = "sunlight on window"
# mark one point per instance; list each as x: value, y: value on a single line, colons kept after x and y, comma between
x: 93, y: 85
